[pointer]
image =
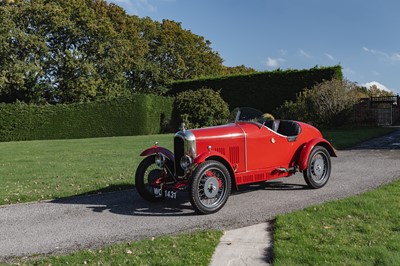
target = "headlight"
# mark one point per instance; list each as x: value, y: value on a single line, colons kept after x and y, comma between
x: 186, y: 161
x: 160, y: 160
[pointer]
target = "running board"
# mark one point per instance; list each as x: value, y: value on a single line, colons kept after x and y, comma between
x: 288, y: 170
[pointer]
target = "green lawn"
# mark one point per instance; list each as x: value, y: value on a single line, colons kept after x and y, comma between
x: 345, y: 138
x: 184, y: 249
x: 36, y: 170
x: 361, y: 230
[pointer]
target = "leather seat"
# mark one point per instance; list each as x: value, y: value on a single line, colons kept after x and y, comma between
x: 272, y: 124
x: 289, y: 128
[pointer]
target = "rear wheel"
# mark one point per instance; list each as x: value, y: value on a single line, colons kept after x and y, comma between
x: 147, y: 174
x: 318, y: 168
x: 210, y: 187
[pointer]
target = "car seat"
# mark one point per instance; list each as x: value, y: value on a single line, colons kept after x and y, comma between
x: 289, y: 128
x: 272, y: 124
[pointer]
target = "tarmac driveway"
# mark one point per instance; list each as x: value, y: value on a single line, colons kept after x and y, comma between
x: 65, y: 225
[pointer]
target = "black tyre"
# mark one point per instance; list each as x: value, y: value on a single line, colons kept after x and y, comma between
x: 210, y: 187
x: 318, y: 168
x: 147, y: 173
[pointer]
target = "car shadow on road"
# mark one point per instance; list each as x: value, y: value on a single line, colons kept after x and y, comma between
x: 270, y: 185
x: 128, y: 202
x: 125, y: 200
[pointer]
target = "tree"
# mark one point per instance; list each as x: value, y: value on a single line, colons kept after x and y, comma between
x: 20, y: 58
x: 90, y: 51
x: 374, y: 91
x: 63, y: 51
x: 178, y: 54
x: 328, y: 103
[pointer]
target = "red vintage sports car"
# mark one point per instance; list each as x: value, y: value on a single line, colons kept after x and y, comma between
x: 208, y: 162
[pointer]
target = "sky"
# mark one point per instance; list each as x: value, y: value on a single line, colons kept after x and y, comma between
x: 359, y: 35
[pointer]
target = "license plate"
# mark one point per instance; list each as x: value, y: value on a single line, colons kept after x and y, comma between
x: 158, y: 192
x: 170, y: 194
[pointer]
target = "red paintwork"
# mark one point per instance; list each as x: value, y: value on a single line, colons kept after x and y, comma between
x: 305, y: 152
x: 157, y: 149
x: 252, y: 152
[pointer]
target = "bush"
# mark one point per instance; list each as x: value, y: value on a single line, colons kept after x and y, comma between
x: 201, y: 108
x: 328, y: 103
x: 292, y: 110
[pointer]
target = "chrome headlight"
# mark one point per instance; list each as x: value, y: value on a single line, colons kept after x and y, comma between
x: 160, y: 160
x: 186, y: 162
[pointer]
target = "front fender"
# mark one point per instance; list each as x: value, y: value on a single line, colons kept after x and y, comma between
x: 214, y: 155
x: 305, y: 152
x: 157, y: 149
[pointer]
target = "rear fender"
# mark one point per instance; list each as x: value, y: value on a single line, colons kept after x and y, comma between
x: 307, y: 148
x: 157, y: 149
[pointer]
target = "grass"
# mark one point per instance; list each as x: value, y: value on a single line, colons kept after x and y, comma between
x: 345, y: 138
x: 37, y: 170
x: 361, y: 230
x: 185, y: 249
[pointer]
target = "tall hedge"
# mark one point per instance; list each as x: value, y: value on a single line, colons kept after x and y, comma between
x: 138, y: 115
x: 263, y: 90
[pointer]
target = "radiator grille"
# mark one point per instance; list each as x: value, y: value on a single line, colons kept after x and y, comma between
x: 179, y: 151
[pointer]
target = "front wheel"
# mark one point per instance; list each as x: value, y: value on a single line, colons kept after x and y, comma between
x: 318, y: 168
x: 147, y: 174
x: 210, y: 187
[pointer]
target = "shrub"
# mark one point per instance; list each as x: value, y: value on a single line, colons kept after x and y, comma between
x: 294, y: 110
x: 200, y: 108
x: 328, y: 103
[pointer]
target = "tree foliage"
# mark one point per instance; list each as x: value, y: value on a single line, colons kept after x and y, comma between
x: 374, y: 91
x: 328, y: 103
x: 63, y: 51
x: 238, y: 70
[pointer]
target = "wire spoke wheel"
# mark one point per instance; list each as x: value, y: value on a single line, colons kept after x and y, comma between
x: 147, y: 174
x: 210, y: 187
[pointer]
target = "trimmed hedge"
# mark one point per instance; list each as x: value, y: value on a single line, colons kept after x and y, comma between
x: 263, y: 90
x: 138, y: 115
